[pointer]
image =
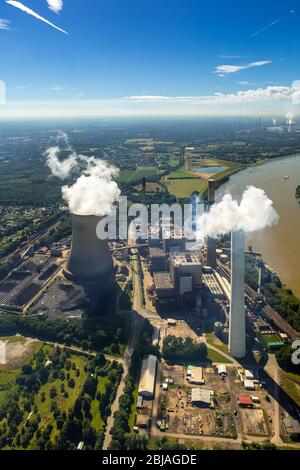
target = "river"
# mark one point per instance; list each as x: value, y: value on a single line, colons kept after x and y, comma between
x: 279, y: 245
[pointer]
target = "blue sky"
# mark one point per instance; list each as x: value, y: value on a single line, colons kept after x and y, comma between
x: 148, y: 57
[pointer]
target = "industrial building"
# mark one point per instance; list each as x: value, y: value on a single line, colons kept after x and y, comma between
x: 157, y: 259
x: 202, y: 397
x: 292, y: 427
x: 196, y: 376
x: 186, y: 272
x: 164, y: 288
x: 147, y: 380
x: 89, y: 258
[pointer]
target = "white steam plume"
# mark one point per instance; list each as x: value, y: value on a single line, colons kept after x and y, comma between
x: 254, y: 212
x: 94, y: 192
x: 60, y: 168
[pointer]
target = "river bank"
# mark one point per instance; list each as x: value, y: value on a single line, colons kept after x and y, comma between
x: 279, y: 245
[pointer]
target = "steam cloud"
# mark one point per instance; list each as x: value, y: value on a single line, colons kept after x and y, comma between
x: 254, y: 212
x: 94, y: 191
x: 60, y: 168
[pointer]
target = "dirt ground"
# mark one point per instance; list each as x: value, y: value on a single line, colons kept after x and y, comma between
x: 183, y: 330
x: 254, y: 422
x: 227, y: 418
x: 16, y: 350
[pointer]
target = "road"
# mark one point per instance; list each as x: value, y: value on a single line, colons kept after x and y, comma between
x: 138, y: 320
x: 272, y: 369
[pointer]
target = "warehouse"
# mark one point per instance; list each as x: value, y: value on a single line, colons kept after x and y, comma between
x: 202, y: 398
x: 147, y: 380
x: 196, y: 376
x: 292, y: 428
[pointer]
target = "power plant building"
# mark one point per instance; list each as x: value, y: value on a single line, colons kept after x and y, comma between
x: 164, y: 287
x: 157, y: 259
x: 186, y: 272
x: 237, y: 320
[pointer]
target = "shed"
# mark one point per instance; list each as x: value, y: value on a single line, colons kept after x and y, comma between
x: 245, y: 401
x: 249, y: 384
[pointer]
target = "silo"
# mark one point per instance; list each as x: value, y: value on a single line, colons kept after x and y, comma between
x: 89, y: 258
x: 237, y: 320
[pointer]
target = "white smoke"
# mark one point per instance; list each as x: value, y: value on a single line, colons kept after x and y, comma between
x: 290, y: 118
x: 254, y: 212
x: 94, y: 192
x: 60, y: 168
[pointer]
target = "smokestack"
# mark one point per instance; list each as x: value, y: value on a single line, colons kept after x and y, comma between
x: 237, y: 322
x: 89, y: 258
x: 211, y: 242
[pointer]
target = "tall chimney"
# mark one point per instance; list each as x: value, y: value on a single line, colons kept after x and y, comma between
x: 211, y: 242
x: 237, y: 321
x: 89, y: 258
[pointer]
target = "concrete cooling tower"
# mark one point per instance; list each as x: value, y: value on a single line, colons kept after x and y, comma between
x: 89, y: 258
x: 237, y: 321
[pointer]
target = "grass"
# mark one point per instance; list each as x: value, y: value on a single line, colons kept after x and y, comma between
x: 182, y: 188
x: 129, y: 176
x: 213, y: 340
x: 214, y: 356
x: 9, y: 372
x: 290, y: 388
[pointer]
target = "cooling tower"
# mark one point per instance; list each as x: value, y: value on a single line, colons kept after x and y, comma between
x: 211, y: 243
x: 237, y: 320
x: 89, y: 258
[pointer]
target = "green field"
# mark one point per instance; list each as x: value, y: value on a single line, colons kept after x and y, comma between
x: 129, y: 176
x: 214, y: 356
x: 182, y: 188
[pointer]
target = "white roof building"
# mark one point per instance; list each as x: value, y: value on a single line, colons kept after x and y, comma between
x: 147, y: 380
x: 248, y: 375
x: 222, y: 369
x: 249, y: 384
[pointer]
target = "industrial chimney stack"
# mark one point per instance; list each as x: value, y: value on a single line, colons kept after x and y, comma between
x: 89, y: 258
x: 237, y: 321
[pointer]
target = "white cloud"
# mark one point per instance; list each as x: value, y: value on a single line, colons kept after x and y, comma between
x: 27, y: 10
x: 55, y: 5
x: 271, y: 93
x: 4, y: 24
x: 225, y: 69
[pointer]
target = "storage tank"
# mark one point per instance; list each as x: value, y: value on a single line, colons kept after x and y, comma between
x: 90, y: 257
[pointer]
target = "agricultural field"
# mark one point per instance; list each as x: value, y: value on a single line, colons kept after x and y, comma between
x: 182, y: 188
x: 129, y: 176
